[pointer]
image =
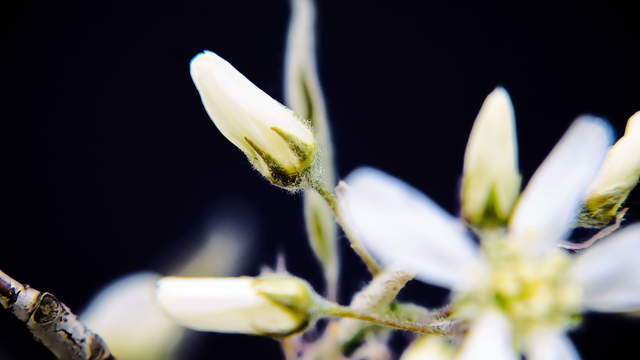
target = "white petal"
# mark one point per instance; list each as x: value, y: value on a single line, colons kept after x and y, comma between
x: 127, y: 317
x: 491, y: 160
x: 406, y: 229
x: 490, y: 338
x: 551, y: 345
x: 548, y: 206
x: 610, y: 272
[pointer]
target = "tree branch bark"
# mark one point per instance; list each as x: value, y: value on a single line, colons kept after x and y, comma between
x: 51, y: 322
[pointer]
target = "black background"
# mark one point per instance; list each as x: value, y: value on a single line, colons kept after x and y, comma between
x: 111, y: 164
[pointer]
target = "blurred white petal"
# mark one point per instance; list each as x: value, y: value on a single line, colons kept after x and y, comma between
x: 374, y: 349
x: 489, y: 338
x: 610, y: 272
x: 491, y: 180
x: 428, y: 348
x: 551, y: 345
x: 126, y: 316
x: 406, y: 229
x: 549, y: 205
x: 225, y: 250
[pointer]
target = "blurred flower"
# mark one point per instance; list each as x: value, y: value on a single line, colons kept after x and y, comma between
x: 491, y: 181
x: 617, y: 177
x: 227, y: 245
x: 126, y: 314
x: 275, y: 140
x: 127, y: 317
x: 268, y: 305
x: 373, y: 349
x: 303, y: 94
x: 428, y: 348
x: 520, y: 292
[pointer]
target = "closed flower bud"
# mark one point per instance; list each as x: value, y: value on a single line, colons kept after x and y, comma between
x: 617, y: 177
x: 276, y: 141
x: 491, y: 181
x: 268, y: 305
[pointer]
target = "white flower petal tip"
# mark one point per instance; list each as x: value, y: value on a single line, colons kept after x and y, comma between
x: 276, y: 141
x: 127, y: 317
x: 617, y: 177
x: 406, y: 229
x: 491, y: 180
x: 609, y: 272
x: 549, y: 205
x: 490, y: 338
x: 269, y: 305
x: 551, y: 345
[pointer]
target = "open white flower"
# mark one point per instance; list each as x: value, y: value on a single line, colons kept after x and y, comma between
x: 519, y: 291
x: 268, y: 305
x: 617, y: 177
x: 277, y: 142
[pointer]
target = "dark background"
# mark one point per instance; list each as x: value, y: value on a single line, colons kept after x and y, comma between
x: 111, y: 163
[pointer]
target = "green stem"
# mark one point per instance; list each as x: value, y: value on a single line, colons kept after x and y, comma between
x: 356, y: 245
x: 441, y: 327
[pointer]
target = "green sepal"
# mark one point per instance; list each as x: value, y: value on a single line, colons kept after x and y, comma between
x: 278, y: 175
x: 600, y: 211
x: 304, y: 152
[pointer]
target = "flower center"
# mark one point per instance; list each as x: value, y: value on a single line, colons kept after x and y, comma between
x: 532, y: 292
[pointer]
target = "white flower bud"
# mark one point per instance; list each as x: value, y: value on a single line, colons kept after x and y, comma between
x: 269, y: 305
x: 277, y: 142
x: 491, y: 181
x: 617, y: 177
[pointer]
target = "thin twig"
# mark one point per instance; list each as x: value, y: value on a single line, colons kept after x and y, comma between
x: 343, y: 337
x: 356, y: 245
x: 51, y: 322
x: 601, y: 234
x: 444, y: 327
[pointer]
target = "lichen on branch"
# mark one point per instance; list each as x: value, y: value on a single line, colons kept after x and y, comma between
x: 51, y: 322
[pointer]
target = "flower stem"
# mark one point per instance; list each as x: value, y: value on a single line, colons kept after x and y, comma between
x: 330, y: 197
x: 441, y: 327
